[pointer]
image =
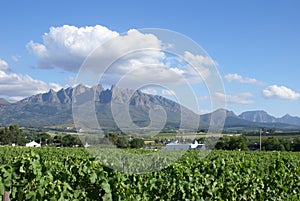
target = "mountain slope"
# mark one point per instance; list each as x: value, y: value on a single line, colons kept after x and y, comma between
x: 258, y: 116
x: 55, y: 108
x: 234, y: 121
x: 261, y: 116
x: 288, y: 119
x: 231, y: 119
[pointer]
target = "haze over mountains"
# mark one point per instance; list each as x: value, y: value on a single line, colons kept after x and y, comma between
x: 55, y: 108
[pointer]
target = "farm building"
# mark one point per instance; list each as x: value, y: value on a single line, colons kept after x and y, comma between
x: 33, y: 144
x: 175, y: 145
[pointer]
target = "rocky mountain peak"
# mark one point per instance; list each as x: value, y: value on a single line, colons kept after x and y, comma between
x: 260, y: 116
x: 226, y: 112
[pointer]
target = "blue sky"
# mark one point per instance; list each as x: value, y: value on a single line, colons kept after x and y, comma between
x: 255, y: 43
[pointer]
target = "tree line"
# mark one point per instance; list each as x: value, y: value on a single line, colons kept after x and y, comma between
x: 15, y: 135
x: 124, y: 141
x: 269, y: 144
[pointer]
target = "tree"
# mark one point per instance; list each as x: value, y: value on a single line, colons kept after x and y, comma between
x: 44, y: 138
x: 123, y: 142
x: 238, y: 143
x: 221, y: 144
x: 232, y: 143
x: 287, y: 144
x: 12, y: 134
x: 137, y: 143
x: 16, y: 134
x: 296, y: 144
x: 57, y: 139
x: 71, y: 140
x: 112, y: 137
x: 272, y: 144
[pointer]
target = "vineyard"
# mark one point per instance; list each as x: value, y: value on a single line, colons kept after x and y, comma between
x: 72, y: 174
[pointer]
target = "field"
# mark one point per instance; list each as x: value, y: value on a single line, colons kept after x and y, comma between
x: 71, y: 174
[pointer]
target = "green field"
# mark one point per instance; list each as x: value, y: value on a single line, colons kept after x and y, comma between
x: 72, y: 174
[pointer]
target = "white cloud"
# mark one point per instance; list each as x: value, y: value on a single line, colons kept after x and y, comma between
x: 168, y: 92
x: 157, y: 91
x: 197, y: 60
x: 239, y: 78
x: 16, y: 87
x: 240, y: 98
x: 66, y: 47
x: 280, y: 92
x: 3, y: 65
x: 135, y: 57
x: 199, y: 64
x: 70, y: 81
x: 149, y: 90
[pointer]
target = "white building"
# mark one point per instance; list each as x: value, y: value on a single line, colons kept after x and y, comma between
x: 175, y: 145
x: 33, y: 144
x: 196, y: 146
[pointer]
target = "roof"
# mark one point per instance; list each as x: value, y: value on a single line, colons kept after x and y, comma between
x: 32, y: 144
x: 180, y: 146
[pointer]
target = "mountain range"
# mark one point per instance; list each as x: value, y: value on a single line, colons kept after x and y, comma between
x: 263, y: 117
x: 55, y: 108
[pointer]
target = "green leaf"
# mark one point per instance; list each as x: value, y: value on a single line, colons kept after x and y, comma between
x: 93, y: 177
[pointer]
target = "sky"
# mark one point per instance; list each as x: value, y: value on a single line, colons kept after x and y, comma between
x: 254, y: 46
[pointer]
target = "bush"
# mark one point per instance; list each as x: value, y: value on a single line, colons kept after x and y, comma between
x: 137, y: 143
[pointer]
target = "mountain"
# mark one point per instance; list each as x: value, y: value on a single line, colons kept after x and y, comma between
x: 3, y: 101
x: 231, y: 119
x: 249, y: 120
x: 145, y: 110
x: 55, y: 108
x: 258, y: 116
x: 223, y: 117
x: 288, y: 119
x: 261, y: 116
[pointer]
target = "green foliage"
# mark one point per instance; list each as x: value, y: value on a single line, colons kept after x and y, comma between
x: 44, y: 138
x: 123, y: 142
x: 296, y: 144
x: 272, y: 143
x: 71, y: 174
x: 71, y: 140
x: 112, y: 137
x: 137, y: 143
x: 232, y: 143
x: 11, y: 134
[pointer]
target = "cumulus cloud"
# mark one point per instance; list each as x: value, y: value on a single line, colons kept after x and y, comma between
x: 197, y: 60
x: 67, y: 46
x: 3, y: 65
x: 241, y: 79
x: 199, y: 66
x: 240, y: 98
x: 17, y: 87
x: 135, y: 57
x: 280, y: 92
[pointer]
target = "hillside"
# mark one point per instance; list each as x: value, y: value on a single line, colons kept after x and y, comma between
x: 261, y: 116
x: 55, y: 108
